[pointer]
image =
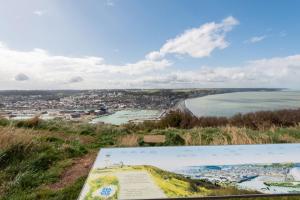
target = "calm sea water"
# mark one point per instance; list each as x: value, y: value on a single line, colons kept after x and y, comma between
x: 230, y: 104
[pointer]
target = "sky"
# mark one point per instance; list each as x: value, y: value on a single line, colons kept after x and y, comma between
x: 111, y: 44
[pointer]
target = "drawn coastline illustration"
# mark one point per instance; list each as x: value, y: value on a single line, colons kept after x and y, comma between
x: 116, y: 176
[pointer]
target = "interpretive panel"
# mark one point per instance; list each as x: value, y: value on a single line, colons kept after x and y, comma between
x: 195, y: 171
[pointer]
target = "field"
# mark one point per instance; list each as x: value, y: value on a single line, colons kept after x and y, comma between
x: 51, y: 159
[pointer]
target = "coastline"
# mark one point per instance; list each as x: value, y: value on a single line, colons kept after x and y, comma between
x: 181, y: 106
x: 244, y: 103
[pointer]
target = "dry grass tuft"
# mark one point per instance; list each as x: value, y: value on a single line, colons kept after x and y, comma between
x: 235, y: 135
x: 154, y: 138
x: 222, y: 140
x: 287, y: 138
x: 10, y: 136
x: 188, y: 139
x: 129, y: 140
x: 238, y: 135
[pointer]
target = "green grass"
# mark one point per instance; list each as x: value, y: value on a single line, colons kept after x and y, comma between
x: 24, y: 168
x: 34, y: 154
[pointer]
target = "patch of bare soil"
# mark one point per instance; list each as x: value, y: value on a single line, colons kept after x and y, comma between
x: 80, y: 167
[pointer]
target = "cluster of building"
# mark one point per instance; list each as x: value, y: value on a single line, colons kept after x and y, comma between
x: 82, y: 104
x: 237, y: 173
x: 78, y: 105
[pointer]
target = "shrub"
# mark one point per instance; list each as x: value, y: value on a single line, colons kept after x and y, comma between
x: 174, y: 139
x: 54, y: 140
x: 30, y: 123
x: 44, y: 161
x: 256, y: 120
x: 87, y: 130
x: 4, y: 122
x: 14, y: 153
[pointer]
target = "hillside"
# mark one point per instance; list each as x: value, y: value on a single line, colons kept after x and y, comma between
x: 51, y: 159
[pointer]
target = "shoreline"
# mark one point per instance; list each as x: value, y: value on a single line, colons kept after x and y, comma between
x: 181, y: 105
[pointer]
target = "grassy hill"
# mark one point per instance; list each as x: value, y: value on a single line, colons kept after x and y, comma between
x: 51, y: 159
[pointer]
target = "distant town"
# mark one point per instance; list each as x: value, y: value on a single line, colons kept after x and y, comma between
x: 260, y: 177
x: 239, y: 173
x: 84, y: 105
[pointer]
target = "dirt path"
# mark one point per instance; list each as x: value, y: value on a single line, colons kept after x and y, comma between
x: 138, y: 185
x: 80, y: 167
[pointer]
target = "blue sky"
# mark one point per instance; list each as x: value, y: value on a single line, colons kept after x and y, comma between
x: 62, y: 44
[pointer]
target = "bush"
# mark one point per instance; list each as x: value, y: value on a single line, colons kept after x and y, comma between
x: 174, y: 139
x: 87, y: 130
x: 257, y: 120
x: 54, y: 140
x: 44, y: 161
x: 4, y: 122
x: 30, y: 123
x: 14, y: 153
x: 75, y: 150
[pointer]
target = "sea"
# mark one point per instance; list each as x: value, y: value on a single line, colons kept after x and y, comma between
x: 229, y: 104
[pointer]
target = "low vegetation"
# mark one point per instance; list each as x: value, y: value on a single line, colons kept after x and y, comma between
x: 257, y: 120
x: 42, y: 159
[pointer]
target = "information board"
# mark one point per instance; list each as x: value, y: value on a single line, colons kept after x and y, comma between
x: 194, y: 171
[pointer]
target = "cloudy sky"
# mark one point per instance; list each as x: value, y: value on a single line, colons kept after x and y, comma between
x: 95, y: 44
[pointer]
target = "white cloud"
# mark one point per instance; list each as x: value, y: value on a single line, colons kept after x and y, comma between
x: 37, y: 69
x: 58, y: 71
x: 39, y: 12
x: 256, y: 39
x: 283, y: 33
x: 46, y: 71
x: 110, y: 3
x: 154, y: 55
x: 272, y: 72
x: 198, y: 42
